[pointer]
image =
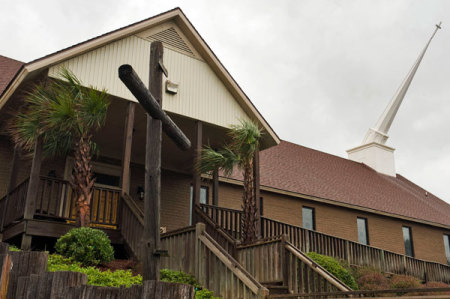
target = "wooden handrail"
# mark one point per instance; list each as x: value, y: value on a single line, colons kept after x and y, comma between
x: 317, y: 268
x: 367, y: 292
x: 134, y: 208
x: 232, y: 264
x: 209, y: 221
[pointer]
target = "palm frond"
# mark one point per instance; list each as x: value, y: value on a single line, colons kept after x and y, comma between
x: 211, y: 160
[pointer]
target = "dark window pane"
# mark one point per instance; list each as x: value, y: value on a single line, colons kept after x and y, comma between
x: 447, y: 247
x: 308, y: 218
x: 408, y: 241
x: 362, y: 231
x: 106, y: 179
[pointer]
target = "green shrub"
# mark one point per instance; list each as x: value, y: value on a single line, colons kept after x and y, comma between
x: 95, y: 276
x: 86, y: 245
x: 181, y: 277
x: 13, y: 248
x: 335, y: 268
x: 178, y: 276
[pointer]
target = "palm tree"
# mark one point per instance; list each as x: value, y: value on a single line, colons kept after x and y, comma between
x: 238, y: 153
x: 64, y: 114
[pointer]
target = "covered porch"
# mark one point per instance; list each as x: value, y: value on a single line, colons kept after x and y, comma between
x: 41, y: 202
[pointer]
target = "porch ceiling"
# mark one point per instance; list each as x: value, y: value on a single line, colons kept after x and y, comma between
x: 110, y: 138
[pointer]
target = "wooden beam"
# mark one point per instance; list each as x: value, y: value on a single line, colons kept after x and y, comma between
x: 256, y: 180
x: 32, y: 191
x: 149, y: 102
x: 33, y: 184
x: 215, y: 187
x: 196, y: 175
x: 152, y: 197
x: 127, y: 143
x: 12, y: 182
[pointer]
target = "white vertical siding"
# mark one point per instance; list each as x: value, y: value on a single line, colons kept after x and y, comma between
x: 201, y: 94
x: 99, y: 68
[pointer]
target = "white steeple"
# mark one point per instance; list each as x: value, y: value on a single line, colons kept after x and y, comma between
x: 373, y: 151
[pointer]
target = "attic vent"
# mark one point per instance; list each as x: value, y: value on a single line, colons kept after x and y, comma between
x: 171, y: 37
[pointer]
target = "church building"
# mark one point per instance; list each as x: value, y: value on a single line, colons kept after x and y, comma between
x: 342, y: 207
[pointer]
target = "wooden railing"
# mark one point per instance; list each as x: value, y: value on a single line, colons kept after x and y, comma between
x: 55, y: 199
x: 276, y: 260
x: 12, y: 207
x: 132, y: 225
x: 228, y: 219
x: 355, y: 253
x: 221, y: 273
x: 306, y: 276
x: 180, y: 244
x: 193, y: 250
x: 263, y: 259
x: 222, y: 237
x: 352, y: 252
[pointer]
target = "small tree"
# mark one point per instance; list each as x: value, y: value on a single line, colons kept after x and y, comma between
x: 64, y: 114
x: 238, y: 153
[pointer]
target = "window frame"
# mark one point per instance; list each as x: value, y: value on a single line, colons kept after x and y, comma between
x: 410, y: 238
x: 313, y: 217
x: 447, y: 253
x: 366, y: 227
x: 191, y: 198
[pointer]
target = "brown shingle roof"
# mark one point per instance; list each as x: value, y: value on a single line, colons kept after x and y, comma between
x: 302, y: 170
x: 8, y: 69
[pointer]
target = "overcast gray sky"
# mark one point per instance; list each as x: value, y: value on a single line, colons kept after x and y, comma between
x: 320, y: 72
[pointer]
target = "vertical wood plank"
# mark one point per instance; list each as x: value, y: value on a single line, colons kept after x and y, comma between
x: 126, y: 152
x: 196, y: 175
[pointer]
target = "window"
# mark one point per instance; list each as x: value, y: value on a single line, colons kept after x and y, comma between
x: 308, y: 218
x: 203, y: 199
x: 363, y: 232
x: 407, y: 238
x: 447, y: 247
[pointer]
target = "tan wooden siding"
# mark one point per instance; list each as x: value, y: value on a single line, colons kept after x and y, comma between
x: 201, y: 94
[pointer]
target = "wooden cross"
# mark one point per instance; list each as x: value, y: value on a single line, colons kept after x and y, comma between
x: 157, y: 121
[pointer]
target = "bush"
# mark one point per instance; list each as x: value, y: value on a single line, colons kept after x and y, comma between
x: 181, y: 277
x: 86, y: 245
x: 373, y: 281
x: 335, y: 268
x: 178, y: 277
x: 404, y: 282
x: 95, y: 276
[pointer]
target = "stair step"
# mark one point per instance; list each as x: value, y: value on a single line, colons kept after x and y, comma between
x: 276, y: 289
x: 272, y: 283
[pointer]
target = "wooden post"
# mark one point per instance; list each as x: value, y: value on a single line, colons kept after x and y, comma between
x: 33, y: 187
x: 127, y: 142
x: 215, y: 187
x: 196, y: 175
x: 256, y: 179
x: 152, y: 190
x: 12, y: 182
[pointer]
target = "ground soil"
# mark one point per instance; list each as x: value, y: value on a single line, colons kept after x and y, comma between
x: 114, y: 265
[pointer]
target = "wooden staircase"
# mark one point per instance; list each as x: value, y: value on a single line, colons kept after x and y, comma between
x: 219, y: 262
x: 276, y: 287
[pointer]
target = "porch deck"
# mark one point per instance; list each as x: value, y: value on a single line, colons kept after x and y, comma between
x: 55, y: 211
